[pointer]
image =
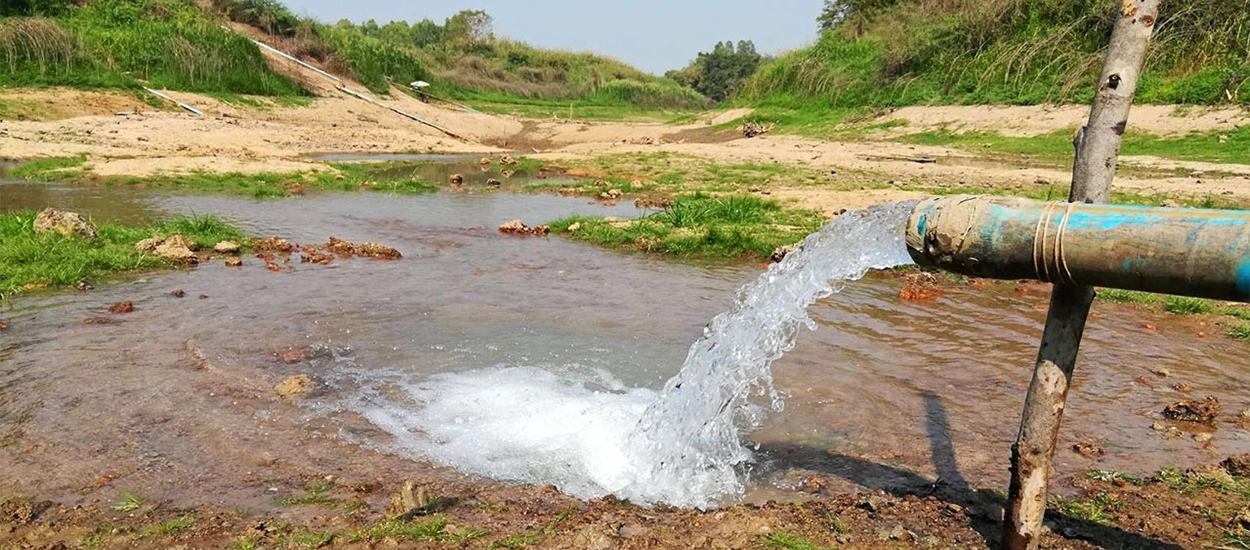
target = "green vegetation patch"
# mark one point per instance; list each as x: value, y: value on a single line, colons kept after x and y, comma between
x: 701, y: 225
x: 389, y: 177
x: 29, y: 261
x: 125, y: 43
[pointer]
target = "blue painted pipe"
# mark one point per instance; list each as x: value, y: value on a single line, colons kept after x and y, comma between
x: 1183, y: 251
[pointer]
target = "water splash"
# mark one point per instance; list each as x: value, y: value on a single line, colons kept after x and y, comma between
x: 584, y: 432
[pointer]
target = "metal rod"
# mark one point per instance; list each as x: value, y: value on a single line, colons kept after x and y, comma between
x: 174, y: 101
x: 1184, y: 251
x: 299, y: 62
x: 1097, y: 152
x: 416, y: 118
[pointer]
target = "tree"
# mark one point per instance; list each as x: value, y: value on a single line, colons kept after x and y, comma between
x: 427, y: 33
x: 469, y: 28
x: 720, y: 73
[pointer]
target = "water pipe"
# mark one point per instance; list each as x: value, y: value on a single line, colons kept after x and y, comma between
x: 1183, y: 251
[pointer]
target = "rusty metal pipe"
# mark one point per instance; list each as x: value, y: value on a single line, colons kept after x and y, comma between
x: 1183, y: 251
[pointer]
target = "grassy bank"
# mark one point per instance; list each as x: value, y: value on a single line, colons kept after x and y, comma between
x: 701, y: 225
x: 126, y: 43
x: 30, y: 261
x: 387, y: 177
x: 908, y: 52
x: 1234, y: 318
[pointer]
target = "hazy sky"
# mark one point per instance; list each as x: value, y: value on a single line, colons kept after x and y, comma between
x: 653, y: 35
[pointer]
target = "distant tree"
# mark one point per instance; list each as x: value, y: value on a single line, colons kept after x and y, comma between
x: 469, y: 28
x: 427, y: 33
x: 396, y: 31
x: 33, y: 7
x: 720, y: 73
x: 371, y: 28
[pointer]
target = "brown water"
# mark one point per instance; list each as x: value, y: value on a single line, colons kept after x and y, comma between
x: 175, y: 400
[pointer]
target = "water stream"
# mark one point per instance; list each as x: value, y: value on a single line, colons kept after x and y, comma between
x: 548, y: 361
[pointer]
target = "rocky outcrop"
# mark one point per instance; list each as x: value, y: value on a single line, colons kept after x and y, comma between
x: 66, y: 224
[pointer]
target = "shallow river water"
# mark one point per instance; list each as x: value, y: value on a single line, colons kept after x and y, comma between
x: 882, y: 393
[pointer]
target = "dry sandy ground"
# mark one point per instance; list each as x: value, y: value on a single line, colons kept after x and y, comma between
x: 122, y: 135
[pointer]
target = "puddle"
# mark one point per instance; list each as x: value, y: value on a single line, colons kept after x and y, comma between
x: 176, y: 398
x: 397, y: 157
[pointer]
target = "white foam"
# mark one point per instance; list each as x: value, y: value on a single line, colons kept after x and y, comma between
x: 682, y: 446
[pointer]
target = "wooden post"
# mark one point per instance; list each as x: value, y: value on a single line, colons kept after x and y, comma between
x: 1097, y: 152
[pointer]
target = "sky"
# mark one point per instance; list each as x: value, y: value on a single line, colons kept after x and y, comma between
x: 653, y: 35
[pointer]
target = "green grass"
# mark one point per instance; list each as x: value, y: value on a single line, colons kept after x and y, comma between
x: 1096, y: 510
x: 702, y: 225
x: 123, y: 43
x: 174, y: 526
x: 387, y: 177
x: 434, y: 530
x: 788, y: 541
x: 1182, y: 305
x: 36, y: 261
x: 1056, y: 147
x: 315, y: 495
x: 1240, y: 332
x: 911, y: 52
x: 128, y: 503
x: 1111, y: 476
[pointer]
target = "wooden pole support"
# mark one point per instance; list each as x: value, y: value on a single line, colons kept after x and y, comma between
x: 1097, y: 152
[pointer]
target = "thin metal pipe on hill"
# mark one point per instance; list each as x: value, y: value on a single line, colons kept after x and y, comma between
x: 174, y: 101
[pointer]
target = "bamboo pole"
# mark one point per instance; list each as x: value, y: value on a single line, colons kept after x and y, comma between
x: 1097, y: 152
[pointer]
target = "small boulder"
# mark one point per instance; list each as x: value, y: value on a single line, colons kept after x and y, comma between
x: 575, y: 227
x: 494, y: 182
x: 122, y: 307
x: 485, y: 162
x: 1201, y: 412
x: 514, y: 227
x: 226, y: 247
x: 781, y: 252
x: 378, y: 251
x: 66, y: 224
x: 294, y: 386
x: 1237, y: 465
x: 174, y: 251
x: 234, y: 262
x: 507, y: 160
x: 457, y: 179
x: 182, y: 242
x: 149, y: 245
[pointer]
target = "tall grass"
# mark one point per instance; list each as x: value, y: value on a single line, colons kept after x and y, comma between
x: 1008, y: 52
x: 117, y: 43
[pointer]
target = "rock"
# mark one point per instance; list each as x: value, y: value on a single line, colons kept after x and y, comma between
x: 1237, y: 465
x: 753, y: 129
x: 494, y: 182
x: 508, y: 173
x: 178, y: 294
x: 506, y: 160
x: 66, y: 224
x: 234, y: 262
x: 1203, y: 437
x: 174, y: 252
x: 576, y: 226
x: 632, y: 530
x: 378, y: 251
x: 3, y: 325
x: 122, y: 307
x: 274, y: 244
x: 1088, y: 448
x: 593, y: 537
x: 457, y: 179
x: 226, y: 247
x: 897, y: 533
x: 181, y: 242
x: 1161, y: 372
x: 1202, y: 412
x: 514, y: 227
x: 542, y: 230
x: 781, y: 252
x: 636, y: 184
x: 149, y: 245
x: 84, y: 286
x: 485, y: 162
x: 1213, y: 473
x: 294, y: 386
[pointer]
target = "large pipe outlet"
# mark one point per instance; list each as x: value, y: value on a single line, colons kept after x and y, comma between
x: 1191, y: 252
